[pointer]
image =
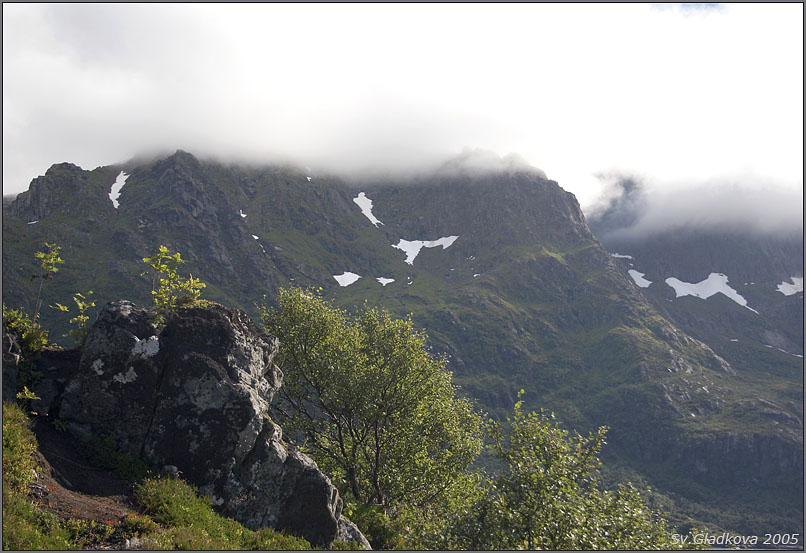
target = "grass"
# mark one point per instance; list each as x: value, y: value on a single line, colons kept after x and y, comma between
x: 174, y: 516
x: 192, y: 524
x: 25, y: 525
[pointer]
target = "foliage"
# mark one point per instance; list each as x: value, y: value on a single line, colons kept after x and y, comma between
x: 27, y: 394
x: 79, y: 334
x: 547, y: 471
x: 19, y: 444
x: 25, y: 526
x: 548, y: 496
x: 168, y: 288
x: 381, y: 531
x: 34, y: 338
x: 24, y: 398
x: 193, y: 524
x: 450, y: 522
x: 49, y: 260
x: 104, y: 454
x: 176, y: 517
x: 374, y: 406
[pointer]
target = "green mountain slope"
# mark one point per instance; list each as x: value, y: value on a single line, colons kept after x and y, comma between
x: 523, y: 297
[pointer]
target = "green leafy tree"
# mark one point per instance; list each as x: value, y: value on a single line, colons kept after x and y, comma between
x: 49, y: 261
x: 168, y: 288
x: 458, y: 519
x: 374, y: 407
x: 548, y: 496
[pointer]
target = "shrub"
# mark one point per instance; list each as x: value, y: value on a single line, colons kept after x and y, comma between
x: 79, y: 334
x: 173, y: 291
x: 19, y: 444
x: 25, y: 526
x: 34, y: 338
x: 194, y: 525
x: 48, y: 261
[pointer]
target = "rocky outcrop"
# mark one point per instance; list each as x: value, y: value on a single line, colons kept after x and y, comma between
x: 67, y: 189
x: 12, y: 353
x: 733, y: 459
x: 194, y: 394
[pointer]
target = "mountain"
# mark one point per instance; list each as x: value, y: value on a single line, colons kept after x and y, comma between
x: 739, y: 290
x: 496, y: 263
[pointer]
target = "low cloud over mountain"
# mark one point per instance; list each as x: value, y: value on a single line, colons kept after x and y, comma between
x: 631, y: 209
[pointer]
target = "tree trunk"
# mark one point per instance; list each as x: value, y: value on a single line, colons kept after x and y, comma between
x: 351, y: 477
x: 38, y: 293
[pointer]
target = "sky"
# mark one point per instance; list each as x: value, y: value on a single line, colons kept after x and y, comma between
x: 682, y: 96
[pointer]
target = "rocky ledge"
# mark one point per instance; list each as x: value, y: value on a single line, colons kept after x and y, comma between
x: 192, y: 396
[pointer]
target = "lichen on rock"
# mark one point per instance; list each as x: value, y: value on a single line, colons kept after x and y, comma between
x: 195, y: 394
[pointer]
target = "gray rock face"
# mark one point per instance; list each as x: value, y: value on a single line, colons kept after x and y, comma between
x: 350, y: 533
x: 11, y: 359
x: 195, y: 394
x: 55, y: 368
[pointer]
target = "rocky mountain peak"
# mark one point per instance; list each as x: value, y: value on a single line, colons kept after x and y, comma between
x: 65, y: 188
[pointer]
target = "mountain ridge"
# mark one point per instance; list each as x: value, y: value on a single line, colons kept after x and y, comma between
x: 524, y: 297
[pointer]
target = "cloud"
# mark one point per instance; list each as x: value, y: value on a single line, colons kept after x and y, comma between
x: 691, y: 9
x: 630, y: 210
x: 622, y: 202
x: 577, y: 90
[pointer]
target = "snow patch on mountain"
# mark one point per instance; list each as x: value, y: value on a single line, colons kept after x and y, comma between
x: 114, y: 193
x: 794, y: 287
x: 385, y: 281
x: 716, y: 283
x: 346, y: 278
x: 639, y: 279
x: 412, y: 247
x: 366, y: 208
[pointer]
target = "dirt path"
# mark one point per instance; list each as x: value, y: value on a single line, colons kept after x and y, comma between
x: 70, y: 487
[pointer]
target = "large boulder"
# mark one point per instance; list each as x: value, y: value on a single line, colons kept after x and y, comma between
x: 194, y: 394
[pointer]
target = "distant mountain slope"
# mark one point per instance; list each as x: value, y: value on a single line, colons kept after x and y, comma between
x: 499, y: 267
x: 738, y: 290
x: 755, y: 318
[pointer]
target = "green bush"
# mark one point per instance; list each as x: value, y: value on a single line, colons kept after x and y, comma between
x: 33, y: 337
x: 27, y: 527
x: 194, y: 525
x: 83, y: 303
x: 19, y: 444
x: 377, y: 527
x: 168, y: 288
